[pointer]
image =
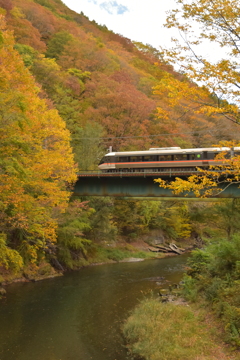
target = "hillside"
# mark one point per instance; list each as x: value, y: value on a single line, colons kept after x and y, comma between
x: 101, y: 83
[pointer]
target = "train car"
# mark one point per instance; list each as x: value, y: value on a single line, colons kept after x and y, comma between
x: 160, y: 159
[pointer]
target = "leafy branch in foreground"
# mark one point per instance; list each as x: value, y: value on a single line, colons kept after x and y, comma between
x: 201, y: 24
x: 207, y: 182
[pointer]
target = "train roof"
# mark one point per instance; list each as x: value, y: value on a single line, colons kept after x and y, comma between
x: 174, y: 150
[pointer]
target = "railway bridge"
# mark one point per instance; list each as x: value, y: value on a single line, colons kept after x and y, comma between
x: 139, y: 184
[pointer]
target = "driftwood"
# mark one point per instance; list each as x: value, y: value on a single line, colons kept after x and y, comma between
x: 175, y: 249
x: 167, y: 249
x: 153, y: 249
x: 162, y: 248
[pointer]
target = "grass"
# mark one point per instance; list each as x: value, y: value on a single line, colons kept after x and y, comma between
x: 104, y: 254
x: 167, y: 331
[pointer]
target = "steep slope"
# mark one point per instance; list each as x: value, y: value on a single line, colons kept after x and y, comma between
x: 101, y: 83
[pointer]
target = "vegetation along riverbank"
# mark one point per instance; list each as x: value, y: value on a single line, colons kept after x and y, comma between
x: 99, y: 254
x: 203, y: 326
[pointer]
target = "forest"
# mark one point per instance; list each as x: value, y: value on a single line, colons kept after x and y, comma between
x: 70, y: 89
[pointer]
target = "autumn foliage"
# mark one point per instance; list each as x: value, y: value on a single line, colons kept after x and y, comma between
x: 215, y: 24
x: 67, y: 82
x: 36, y: 159
x: 117, y: 93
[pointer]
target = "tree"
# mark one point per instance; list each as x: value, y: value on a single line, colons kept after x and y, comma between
x: 40, y: 17
x: 225, y: 217
x: 6, y: 4
x: 122, y: 110
x: 216, y: 22
x: 87, y: 144
x: 103, y: 226
x: 72, y: 245
x: 24, y: 31
x: 126, y: 216
x: 57, y: 43
x: 170, y: 216
x: 36, y: 159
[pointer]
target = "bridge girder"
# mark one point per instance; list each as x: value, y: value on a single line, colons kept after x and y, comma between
x: 138, y: 186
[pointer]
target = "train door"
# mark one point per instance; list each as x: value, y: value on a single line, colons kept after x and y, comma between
x: 205, y: 158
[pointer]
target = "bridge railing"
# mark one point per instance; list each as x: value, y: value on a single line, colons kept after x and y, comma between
x: 141, y: 173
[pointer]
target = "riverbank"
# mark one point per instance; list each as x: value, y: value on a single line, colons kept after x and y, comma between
x: 101, y: 255
x: 211, y: 287
x: 98, y: 255
x: 175, y: 331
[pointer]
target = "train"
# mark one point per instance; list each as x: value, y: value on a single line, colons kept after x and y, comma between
x: 161, y: 159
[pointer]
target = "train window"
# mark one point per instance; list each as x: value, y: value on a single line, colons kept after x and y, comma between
x: 134, y: 158
x: 110, y: 159
x: 180, y: 157
x: 123, y: 159
x: 165, y: 157
x: 205, y: 155
x: 147, y: 158
x: 195, y: 156
x: 211, y: 155
x: 106, y: 159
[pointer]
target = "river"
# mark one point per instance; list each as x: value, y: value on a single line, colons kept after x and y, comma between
x: 79, y: 316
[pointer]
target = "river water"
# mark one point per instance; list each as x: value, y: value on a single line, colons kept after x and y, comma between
x: 79, y: 316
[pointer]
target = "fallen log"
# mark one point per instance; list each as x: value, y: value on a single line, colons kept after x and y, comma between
x: 153, y: 249
x: 166, y: 249
x: 175, y: 249
x: 163, y: 248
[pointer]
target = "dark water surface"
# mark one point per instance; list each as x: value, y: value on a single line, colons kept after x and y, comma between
x: 79, y: 316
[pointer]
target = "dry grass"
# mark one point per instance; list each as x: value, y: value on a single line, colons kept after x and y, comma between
x: 157, y: 331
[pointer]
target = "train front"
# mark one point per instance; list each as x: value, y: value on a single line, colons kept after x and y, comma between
x: 107, y: 162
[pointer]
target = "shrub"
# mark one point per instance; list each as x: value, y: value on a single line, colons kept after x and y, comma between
x: 213, y: 275
x: 9, y: 258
